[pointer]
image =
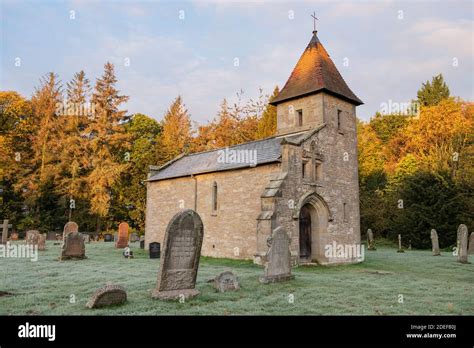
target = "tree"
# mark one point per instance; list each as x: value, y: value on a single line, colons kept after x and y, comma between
x: 431, y: 94
x: 267, y: 124
x: 73, y: 163
x: 131, y: 191
x: 177, y: 134
x: 107, y: 143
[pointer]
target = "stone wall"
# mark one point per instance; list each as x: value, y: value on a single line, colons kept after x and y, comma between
x: 338, y: 183
x: 228, y: 232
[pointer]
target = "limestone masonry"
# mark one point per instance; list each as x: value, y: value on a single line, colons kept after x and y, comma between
x: 305, y: 178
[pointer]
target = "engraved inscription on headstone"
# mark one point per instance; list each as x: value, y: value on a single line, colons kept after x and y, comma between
x: 278, y: 268
x: 180, y: 260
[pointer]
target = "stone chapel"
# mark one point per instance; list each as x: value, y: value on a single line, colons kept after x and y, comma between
x: 305, y: 178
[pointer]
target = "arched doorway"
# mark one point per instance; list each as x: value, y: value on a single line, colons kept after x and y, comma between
x: 305, y: 233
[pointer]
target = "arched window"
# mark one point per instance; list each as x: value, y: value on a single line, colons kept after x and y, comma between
x: 214, y: 197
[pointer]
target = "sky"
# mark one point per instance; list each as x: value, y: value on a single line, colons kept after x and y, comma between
x: 384, y: 50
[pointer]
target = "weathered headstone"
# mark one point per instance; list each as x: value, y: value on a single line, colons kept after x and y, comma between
x: 370, y: 240
x: 70, y: 227
x: 108, y: 237
x: 180, y: 261
x: 400, y: 249
x: 87, y: 238
x: 462, y: 244
x: 32, y: 237
x: 435, y: 243
x: 471, y: 244
x: 278, y: 268
x: 108, y: 295
x: 5, y: 227
x: 122, y: 239
x: 154, y: 250
x: 73, y: 247
x: 226, y: 281
x: 42, y: 242
x: 134, y: 237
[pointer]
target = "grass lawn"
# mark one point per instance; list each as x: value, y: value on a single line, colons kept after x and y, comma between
x: 429, y: 285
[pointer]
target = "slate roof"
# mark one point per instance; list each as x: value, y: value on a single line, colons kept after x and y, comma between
x: 315, y: 72
x: 267, y: 150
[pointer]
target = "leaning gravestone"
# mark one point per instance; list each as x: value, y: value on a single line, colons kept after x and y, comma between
x: 70, y: 227
x: 180, y: 261
x: 122, y: 238
x: 278, y: 268
x: 462, y: 244
x: 370, y: 240
x: 226, y: 281
x: 471, y: 244
x: 108, y: 295
x: 73, y: 247
x: 32, y: 237
x: 435, y: 243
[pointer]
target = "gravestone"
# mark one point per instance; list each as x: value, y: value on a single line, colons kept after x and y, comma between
x: 226, y: 281
x: 87, y: 238
x: 122, y: 238
x: 154, y: 250
x: 14, y: 236
x: 5, y: 227
x: 462, y: 244
x: 70, y: 227
x: 471, y: 244
x: 134, y: 237
x: 42, y: 242
x: 115, y: 237
x: 370, y: 240
x: 278, y: 268
x: 108, y: 295
x: 180, y: 262
x: 400, y: 249
x: 32, y: 237
x: 142, y: 242
x: 435, y: 243
x: 73, y: 247
x: 51, y: 236
x: 108, y: 237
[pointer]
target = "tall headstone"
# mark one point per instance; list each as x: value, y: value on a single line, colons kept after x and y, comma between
x: 462, y: 244
x: 370, y: 240
x: 73, y: 247
x: 400, y: 249
x: 180, y: 260
x: 5, y: 232
x: 278, y: 268
x: 471, y: 244
x: 42, y: 242
x: 122, y: 238
x: 435, y: 243
x: 70, y: 227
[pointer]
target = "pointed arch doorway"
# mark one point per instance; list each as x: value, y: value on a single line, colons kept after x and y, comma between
x: 305, y: 233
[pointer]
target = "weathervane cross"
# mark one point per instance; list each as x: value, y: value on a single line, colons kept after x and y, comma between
x: 314, y: 19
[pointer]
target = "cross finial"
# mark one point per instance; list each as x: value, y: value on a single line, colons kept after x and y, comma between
x: 314, y: 20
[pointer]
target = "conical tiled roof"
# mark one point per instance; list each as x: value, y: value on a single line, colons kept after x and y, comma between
x: 315, y: 72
